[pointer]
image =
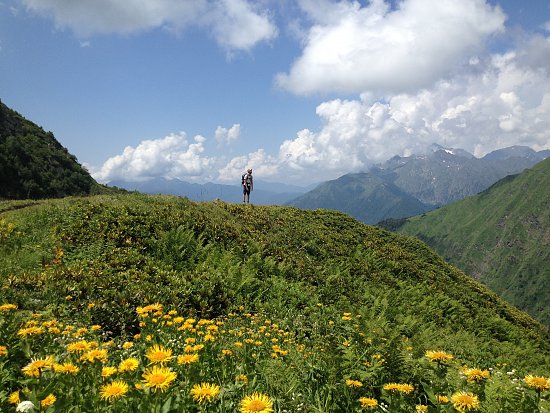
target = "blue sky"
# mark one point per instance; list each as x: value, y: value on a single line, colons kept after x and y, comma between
x: 301, y: 91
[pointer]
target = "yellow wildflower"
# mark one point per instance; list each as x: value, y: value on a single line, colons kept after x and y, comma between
x: 464, y: 402
x: 158, y: 378
x: 48, y: 400
x: 159, y: 354
x: 113, y: 390
x: 204, y: 392
x: 256, y: 403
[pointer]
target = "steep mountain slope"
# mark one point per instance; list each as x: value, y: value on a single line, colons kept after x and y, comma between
x: 500, y: 236
x: 312, y: 307
x: 418, y: 183
x: 446, y: 176
x: 33, y: 164
x: 366, y: 197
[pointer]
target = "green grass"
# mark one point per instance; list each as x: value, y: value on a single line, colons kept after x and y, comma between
x: 93, y: 261
x: 500, y: 237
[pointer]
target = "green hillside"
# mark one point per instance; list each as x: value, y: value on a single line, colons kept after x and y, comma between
x: 34, y: 165
x: 364, y: 196
x: 501, y: 237
x: 158, y: 304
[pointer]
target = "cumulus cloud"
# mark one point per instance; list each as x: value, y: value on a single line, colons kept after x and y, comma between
x: 170, y: 157
x: 499, y: 101
x: 262, y: 164
x: 228, y: 136
x: 236, y: 24
x: 352, y: 48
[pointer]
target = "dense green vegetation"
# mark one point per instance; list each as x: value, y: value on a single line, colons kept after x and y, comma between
x: 406, y: 186
x: 352, y: 304
x: 364, y: 196
x: 34, y: 165
x: 501, y: 237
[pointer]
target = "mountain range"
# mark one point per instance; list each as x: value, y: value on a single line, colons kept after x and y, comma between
x: 500, y: 237
x: 407, y: 186
x: 264, y: 192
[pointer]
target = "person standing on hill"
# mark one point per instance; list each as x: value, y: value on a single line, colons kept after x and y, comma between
x: 248, y: 185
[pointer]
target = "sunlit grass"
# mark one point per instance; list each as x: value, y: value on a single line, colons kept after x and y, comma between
x: 181, y: 363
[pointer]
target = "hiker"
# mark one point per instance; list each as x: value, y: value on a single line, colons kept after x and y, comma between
x: 248, y: 185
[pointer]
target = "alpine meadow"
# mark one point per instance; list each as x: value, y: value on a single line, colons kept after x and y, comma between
x: 263, y: 206
x: 500, y: 237
x: 146, y: 303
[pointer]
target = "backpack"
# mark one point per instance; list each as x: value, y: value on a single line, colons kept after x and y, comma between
x: 246, y: 179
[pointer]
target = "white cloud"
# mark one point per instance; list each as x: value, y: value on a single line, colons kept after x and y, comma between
x: 499, y: 101
x: 236, y: 24
x: 352, y: 49
x: 170, y: 157
x: 261, y: 163
x: 228, y: 136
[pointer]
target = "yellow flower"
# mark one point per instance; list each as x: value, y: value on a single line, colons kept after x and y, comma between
x: 36, y: 366
x: 127, y: 345
x: 95, y: 354
x: 3, y: 351
x: 437, y: 355
x: 79, y: 347
x: 368, y: 403
x: 108, y: 371
x: 464, y: 402
x: 30, y: 331
x: 204, y: 392
x: 95, y: 327
x: 158, y: 378
x: 421, y: 408
x: 159, y: 354
x: 129, y: 364
x: 354, y: 383
x: 48, y: 400
x: 537, y: 382
x: 188, y: 358
x: 474, y: 375
x: 257, y: 403
x: 442, y: 399
x: 398, y: 387
x: 14, y: 398
x: 226, y: 352
x: 113, y: 390
x: 66, y: 368
x: 242, y: 377
x: 4, y: 308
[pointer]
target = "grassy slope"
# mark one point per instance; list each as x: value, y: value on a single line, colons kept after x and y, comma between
x: 127, y: 251
x: 501, y: 237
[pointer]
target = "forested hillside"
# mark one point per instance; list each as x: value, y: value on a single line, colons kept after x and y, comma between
x: 34, y: 165
x: 501, y: 237
x: 151, y: 303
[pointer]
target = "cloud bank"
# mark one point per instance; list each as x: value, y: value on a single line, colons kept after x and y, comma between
x: 495, y: 101
x: 235, y: 24
x: 352, y: 48
x: 170, y: 157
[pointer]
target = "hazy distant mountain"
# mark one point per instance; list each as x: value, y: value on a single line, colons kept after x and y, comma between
x: 264, y: 192
x: 447, y: 175
x: 500, y: 236
x: 367, y: 197
x: 33, y: 164
x: 435, y: 178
